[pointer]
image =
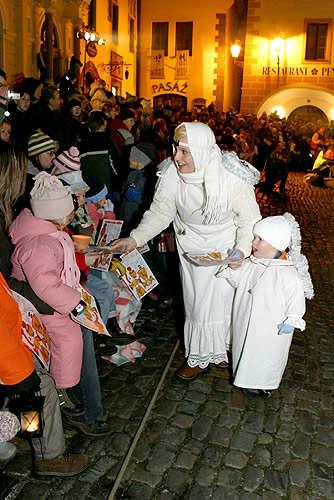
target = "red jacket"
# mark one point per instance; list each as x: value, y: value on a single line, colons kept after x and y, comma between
x: 115, y: 132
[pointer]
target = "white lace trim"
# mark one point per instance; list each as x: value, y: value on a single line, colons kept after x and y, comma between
x: 206, y: 343
x: 204, y: 361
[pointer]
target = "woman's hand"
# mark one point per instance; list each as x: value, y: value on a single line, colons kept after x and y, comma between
x: 123, y: 244
x: 90, y: 259
x: 236, y: 257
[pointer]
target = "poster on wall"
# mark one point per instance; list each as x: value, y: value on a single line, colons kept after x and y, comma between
x: 182, y: 64
x: 157, y: 64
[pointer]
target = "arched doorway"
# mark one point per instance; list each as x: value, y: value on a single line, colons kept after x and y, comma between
x: 290, y: 98
x: 308, y: 114
x: 175, y: 100
x: 89, y: 74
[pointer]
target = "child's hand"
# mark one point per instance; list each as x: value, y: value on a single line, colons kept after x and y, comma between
x: 236, y: 257
x: 90, y: 259
x: 284, y: 328
x: 108, y: 206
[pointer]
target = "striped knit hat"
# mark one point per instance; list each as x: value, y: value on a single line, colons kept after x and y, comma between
x: 68, y: 161
x: 40, y: 143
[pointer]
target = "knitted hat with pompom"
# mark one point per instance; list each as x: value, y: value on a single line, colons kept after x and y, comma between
x: 49, y: 198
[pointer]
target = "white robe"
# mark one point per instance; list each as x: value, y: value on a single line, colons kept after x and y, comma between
x: 207, y: 301
x: 276, y: 296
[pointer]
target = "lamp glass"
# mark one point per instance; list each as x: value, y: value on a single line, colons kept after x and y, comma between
x: 29, y: 421
x: 100, y: 42
x: 92, y: 37
x: 30, y: 414
x: 235, y: 50
x: 278, y: 44
x: 86, y: 35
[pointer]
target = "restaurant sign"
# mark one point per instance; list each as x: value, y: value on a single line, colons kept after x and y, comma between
x: 170, y: 87
x: 297, y: 71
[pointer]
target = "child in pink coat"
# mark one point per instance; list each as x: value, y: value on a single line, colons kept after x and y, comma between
x: 44, y: 256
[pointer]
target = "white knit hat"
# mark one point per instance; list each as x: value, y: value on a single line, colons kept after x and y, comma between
x: 282, y: 231
x: 49, y: 198
x: 275, y: 231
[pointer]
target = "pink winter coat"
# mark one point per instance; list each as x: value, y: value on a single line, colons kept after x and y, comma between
x: 99, y: 214
x: 39, y: 259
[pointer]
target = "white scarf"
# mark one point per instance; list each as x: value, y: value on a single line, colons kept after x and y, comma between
x: 208, y: 167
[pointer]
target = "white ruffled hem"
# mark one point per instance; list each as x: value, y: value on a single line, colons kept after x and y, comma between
x: 206, y: 343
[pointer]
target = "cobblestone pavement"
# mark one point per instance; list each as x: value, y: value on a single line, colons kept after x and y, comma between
x: 203, y: 440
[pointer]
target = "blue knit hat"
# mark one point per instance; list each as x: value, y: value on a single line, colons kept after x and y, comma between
x: 75, y: 180
x: 97, y: 189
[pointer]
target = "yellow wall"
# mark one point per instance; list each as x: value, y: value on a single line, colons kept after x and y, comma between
x: 104, y: 28
x: 201, y: 81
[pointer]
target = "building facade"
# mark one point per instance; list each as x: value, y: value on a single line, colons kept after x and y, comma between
x: 38, y: 38
x: 288, y: 59
x: 181, y: 52
x: 184, y: 52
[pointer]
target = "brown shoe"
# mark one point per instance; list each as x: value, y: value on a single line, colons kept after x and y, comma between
x: 65, y: 465
x: 186, y: 372
x: 223, y: 365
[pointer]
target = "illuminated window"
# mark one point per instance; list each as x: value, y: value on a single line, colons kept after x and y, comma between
x: 317, y: 46
x: 184, y: 36
x: 160, y: 37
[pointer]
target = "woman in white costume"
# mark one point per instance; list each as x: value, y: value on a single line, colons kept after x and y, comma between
x: 209, y: 196
x: 269, y: 304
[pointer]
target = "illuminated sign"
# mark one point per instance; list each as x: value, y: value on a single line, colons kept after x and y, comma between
x: 170, y: 87
x: 297, y: 71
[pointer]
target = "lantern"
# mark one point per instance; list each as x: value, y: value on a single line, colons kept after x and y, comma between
x: 235, y: 49
x: 30, y: 414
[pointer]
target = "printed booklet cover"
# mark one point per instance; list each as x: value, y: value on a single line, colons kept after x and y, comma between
x: 110, y: 231
x: 34, y: 333
x: 138, y: 277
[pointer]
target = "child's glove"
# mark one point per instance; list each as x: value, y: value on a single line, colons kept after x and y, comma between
x: 234, y: 253
x: 284, y: 328
x: 79, y: 309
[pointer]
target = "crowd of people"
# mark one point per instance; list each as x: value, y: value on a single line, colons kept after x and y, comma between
x: 68, y: 162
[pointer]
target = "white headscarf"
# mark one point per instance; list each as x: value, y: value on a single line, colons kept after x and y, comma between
x: 208, y: 165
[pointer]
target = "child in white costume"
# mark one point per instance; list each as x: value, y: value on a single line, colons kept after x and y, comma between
x: 271, y: 286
